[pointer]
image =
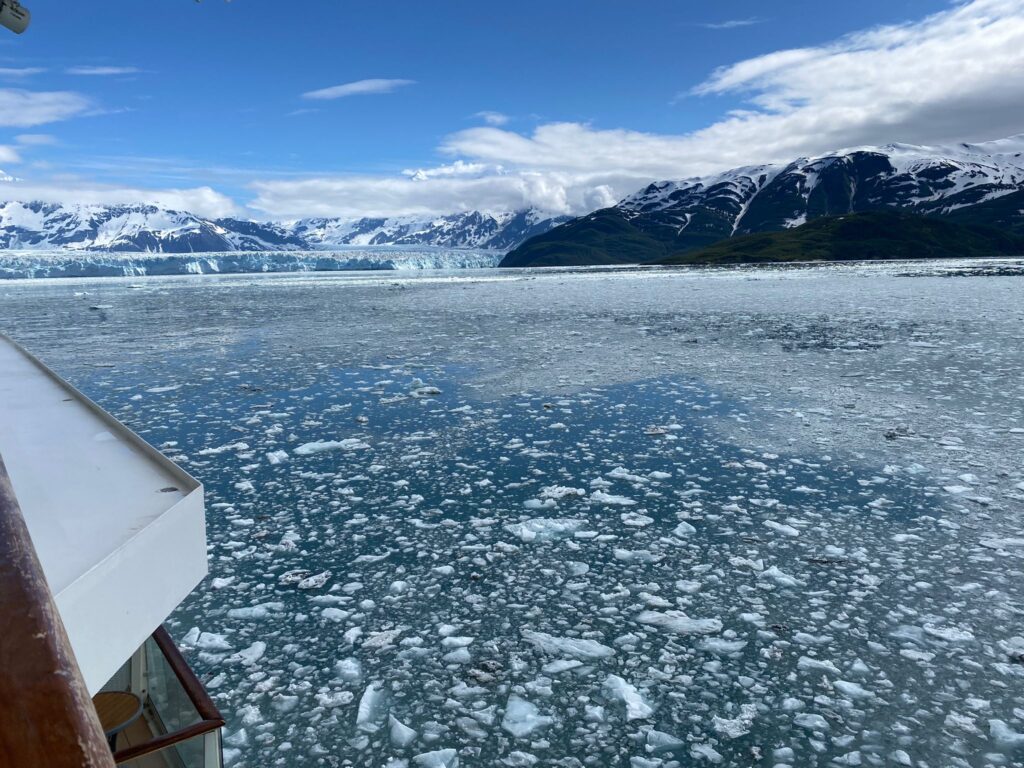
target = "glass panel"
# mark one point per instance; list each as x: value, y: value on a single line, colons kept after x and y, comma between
x: 167, y: 697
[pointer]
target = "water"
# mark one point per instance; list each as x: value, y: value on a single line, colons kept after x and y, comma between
x: 626, y: 517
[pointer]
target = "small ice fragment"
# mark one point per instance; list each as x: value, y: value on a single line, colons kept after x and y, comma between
x: 316, y: 581
x: 319, y: 446
x: 573, y: 647
x: 440, y: 758
x: 401, y: 735
x: 372, y: 707
x: 679, y: 622
x: 523, y: 718
x: 619, y: 689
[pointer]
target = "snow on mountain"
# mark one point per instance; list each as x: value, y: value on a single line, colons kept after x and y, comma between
x: 147, y: 228
x: 974, y: 184
x: 920, y: 179
x: 460, y: 230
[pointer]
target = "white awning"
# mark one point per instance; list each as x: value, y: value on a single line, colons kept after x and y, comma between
x: 120, y: 530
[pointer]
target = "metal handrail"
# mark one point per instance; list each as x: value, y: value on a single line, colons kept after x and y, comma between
x: 204, y: 706
x: 46, y: 714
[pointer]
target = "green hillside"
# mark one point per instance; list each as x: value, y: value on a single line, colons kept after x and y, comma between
x: 875, y: 235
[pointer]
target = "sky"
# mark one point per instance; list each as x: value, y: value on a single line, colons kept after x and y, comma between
x: 274, y: 110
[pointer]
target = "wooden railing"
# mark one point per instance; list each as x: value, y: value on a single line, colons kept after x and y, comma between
x: 210, y: 721
x: 46, y: 715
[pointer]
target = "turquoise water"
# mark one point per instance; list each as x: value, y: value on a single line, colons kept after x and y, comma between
x: 423, y: 551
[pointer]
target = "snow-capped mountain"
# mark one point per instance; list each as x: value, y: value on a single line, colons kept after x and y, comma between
x: 460, y: 230
x: 147, y: 228
x: 970, y: 183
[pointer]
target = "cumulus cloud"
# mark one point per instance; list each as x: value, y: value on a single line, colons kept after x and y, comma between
x: 357, y: 88
x: 24, y: 109
x: 203, y: 201
x: 90, y: 71
x: 955, y: 75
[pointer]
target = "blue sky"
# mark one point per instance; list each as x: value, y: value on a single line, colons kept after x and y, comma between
x: 565, y: 104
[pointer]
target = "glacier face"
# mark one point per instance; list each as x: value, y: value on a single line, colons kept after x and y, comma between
x: 149, y: 228
x: 22, y: 264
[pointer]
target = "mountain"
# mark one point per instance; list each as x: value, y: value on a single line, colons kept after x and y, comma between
x: 459, y: 230
x: 968, y: 183
x: 874, y: 235
x: 148, y: 228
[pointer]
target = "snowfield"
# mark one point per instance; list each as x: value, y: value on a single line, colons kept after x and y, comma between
x: 421, y: 550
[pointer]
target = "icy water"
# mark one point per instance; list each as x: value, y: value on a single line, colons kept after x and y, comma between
x: 639, y: 518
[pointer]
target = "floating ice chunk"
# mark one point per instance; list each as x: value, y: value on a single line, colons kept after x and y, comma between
x: 573, y: 647
x: 523, y: 718
x: 541, y: 529
x: 319, y: 446
x: 517, y: 759
x: 785, y: 530
x: 401, y: 735
x: 380, y: 640
x: 706, y: 752
x: 557, y: 492
x: 210, y: 641
x: 349, y: 670
x: 811, y: 721
x: 779, y: 577
x: 560, y: 665
x: 606, y: 498
x: 635, y: 519
x: 372, y: 708
x: 737, y: 726
x: 620, y: 690
x: 440, y: 758
x: 659, y: 741
x: 316, y: 581
x: 679, y: 622
x: 808, y: 664
x: 1005, y: 737
x: 949, y: 634
x: 334, y: 699
x: 335, y: 614
x: 852, y: 690
x: 722, y: 647
x: 277, y: 457
x: 249, y: 655
x: 684, y: 529
x: 994, y: 542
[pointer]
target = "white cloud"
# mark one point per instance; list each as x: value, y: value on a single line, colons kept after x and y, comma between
x: 731, y: 23
x: 202, y: 201
x: 24, y: 109
x: 12, y: 72
x: 956, y: 75
x: 35, y: 139
x: 9, y: 154
x: 357, y: 88
x: 91, y: 71
x: 492, y: 118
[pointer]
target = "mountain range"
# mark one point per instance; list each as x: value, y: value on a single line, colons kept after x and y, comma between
x: 149, y: 228
x: 967, y: 184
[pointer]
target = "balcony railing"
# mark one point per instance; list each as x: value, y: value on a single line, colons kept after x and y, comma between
x: 180, y: 723
x: 46, y: 715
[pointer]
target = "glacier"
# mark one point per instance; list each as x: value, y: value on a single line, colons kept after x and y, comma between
x: 26, y: 264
